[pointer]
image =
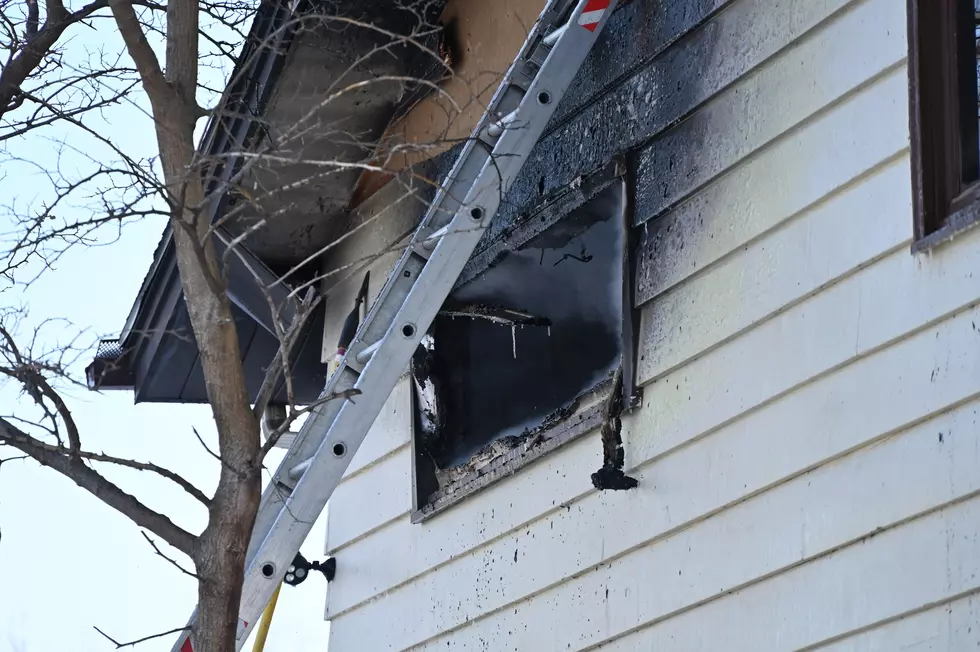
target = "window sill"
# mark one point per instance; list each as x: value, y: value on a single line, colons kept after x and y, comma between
x: 586, y: 420
x: 959, y: 222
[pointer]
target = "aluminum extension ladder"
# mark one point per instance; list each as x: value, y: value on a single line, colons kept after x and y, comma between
x: 413, y: 294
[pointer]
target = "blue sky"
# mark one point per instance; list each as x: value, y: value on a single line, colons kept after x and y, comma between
x: 67, y: 562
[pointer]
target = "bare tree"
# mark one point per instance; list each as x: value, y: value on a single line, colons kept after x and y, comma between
x: 48, y: 92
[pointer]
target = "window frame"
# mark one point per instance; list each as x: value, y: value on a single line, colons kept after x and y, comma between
x: 943, y: 116
x: 589, y: 415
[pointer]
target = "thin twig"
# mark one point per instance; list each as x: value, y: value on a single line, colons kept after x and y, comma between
x: 141, y: 640
x: 170, y: 559
x: 270, y: 443
x: 201, y: 439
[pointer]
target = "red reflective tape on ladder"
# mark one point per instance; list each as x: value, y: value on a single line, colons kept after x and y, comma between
x: 592, y: 14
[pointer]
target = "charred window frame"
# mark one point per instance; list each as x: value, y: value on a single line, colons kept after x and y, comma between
x: 491, y: 453
x: 943, y: 103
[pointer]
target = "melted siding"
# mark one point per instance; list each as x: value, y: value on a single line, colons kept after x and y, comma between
x: 812, y: 390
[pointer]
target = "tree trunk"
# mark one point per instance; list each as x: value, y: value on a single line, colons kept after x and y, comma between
x: 221, y: 549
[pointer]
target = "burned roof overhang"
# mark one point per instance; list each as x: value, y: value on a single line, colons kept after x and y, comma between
x: 343, y: 82
x: 155, y: 354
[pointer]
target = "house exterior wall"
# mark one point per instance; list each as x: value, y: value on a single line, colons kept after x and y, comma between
x: 807, y: 447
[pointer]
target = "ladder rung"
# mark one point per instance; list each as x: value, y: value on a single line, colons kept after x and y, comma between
x: 498, y: 127
x: 297, y: 471
x: 365, y: 354
x: 552, y: 38
x: 432, y: 240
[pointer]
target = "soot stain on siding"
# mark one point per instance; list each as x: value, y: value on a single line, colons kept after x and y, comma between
x: 644, y: 76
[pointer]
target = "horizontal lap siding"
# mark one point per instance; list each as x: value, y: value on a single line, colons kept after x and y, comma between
x: 369, y: 499
x: 543, y: 489
x: 763, y: 105
x: 794, y: 262
x: 928, y: 560
x: 945, y: 627
x: 809, y: 424
x: 825, y: 427
x: 807, y: 520
x: 765, y: 191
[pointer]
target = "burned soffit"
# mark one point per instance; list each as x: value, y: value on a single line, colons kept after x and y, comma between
x: 333, y: 101
x: 315, y: 60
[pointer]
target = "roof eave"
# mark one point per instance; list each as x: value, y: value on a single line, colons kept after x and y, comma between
x: 253, y: 79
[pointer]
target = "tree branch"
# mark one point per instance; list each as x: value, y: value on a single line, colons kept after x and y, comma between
x: 142, y: 54
x: 182, y: 48
x: 22, y: 66
x: 149, y: 466
x: 270, y: 443
x: 140, y: 640
x: 287, y: 340
x: 75, y: 470
x: 33, y: 19
x: 132, y: 464
x: 29, y: 375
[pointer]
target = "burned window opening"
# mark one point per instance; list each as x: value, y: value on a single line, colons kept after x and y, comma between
x: 522, y: 347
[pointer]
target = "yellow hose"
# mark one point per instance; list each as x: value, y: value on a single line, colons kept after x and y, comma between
x: 263, y: 630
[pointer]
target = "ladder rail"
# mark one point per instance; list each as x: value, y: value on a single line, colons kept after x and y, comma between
x: 433, y: 226
x: 381, y: 350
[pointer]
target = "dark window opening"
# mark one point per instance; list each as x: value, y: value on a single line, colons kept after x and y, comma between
x: 943, y: 74
x: 521, y: 347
